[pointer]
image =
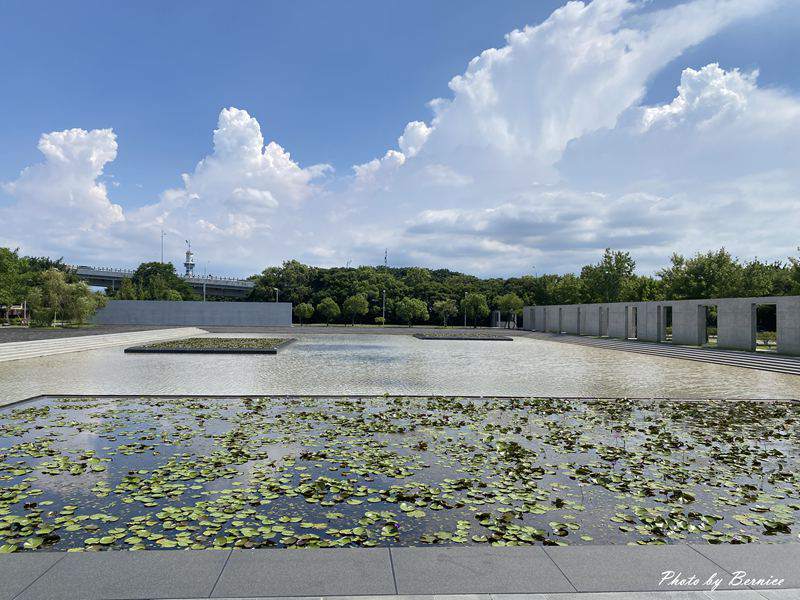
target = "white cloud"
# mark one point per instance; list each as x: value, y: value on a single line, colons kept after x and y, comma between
x: 59, y: 203
x: 543, y: 154
x: 66, y: 183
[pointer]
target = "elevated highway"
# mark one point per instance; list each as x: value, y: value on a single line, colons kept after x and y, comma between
x: 111, y: 277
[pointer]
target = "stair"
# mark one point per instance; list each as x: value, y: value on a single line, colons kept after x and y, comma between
x: 747, y: 360
x: 33, y: 349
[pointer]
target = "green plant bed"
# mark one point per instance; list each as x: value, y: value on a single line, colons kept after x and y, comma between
x: 155, y: 472
x: 207, y: 345
x: 482, y: 337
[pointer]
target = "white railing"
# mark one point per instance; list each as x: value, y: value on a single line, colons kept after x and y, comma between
x: 191, y: 278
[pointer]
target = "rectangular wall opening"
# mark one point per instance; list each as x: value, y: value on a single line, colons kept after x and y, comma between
x: 708, y: 325
x: 766, y: 329
x: 666, y: 324
x: 632, y: 322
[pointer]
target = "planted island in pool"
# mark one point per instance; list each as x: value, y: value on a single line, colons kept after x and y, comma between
x: 134, y: 473
x: 215, y: 345
x: 476, y: 336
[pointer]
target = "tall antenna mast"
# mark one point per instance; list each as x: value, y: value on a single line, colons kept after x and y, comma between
x: 189, y: 262
x: 386, y: 258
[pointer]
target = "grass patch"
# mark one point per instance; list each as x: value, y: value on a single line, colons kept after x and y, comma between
x: 215, y: 345
x: 483, y: 337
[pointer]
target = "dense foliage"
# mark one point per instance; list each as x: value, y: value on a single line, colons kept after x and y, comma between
x: 53, y: 294
x: 351, y: 295
x: 612, y: 279
x: 155, y: 281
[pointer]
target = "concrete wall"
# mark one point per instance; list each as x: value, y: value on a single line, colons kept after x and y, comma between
x: 736, y: 324
x: 736, y: 321
x: 221, y: 314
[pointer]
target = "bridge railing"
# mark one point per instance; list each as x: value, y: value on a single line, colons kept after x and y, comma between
x: 192, y: 278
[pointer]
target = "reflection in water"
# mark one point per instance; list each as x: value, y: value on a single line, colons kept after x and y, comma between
x: 363, y: 471
x: 397, y: 364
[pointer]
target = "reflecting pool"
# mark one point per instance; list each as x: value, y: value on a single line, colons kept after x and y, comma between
x: 395, y: 364
x: 154, y: 472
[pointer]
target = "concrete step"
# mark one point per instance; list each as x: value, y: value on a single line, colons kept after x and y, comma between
x: 771, y: 362
x: 37, y: 348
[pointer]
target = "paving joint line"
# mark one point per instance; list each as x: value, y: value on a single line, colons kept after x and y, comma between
x: 222, y: 570
x: 569, y: 581
x: 45, y: 572
x: 391, y: 566
x: 712, y: 561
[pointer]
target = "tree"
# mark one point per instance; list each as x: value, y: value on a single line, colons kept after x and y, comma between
x: 55, y: 293
x: 604, y: 281
x: 303, y: 311
x: 510, y: 304
x: 173, y: 296
x: 409, y: 310
x: 356, y: 305
x: 154, y: 280
x: 475, y: 307
x: 328, y: 310
x: 127, y: 291
x: 445, y: 309
x: 54, y: 299
x: 81, y: 303
x: 710, y: 275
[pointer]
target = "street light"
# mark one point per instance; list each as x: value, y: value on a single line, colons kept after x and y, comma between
x: 465, y: 310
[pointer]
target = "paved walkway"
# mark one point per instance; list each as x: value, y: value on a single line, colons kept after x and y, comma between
x: 746, y: 571
x: 47, y: 347
x: 764, y: 361
x: 28, y: 334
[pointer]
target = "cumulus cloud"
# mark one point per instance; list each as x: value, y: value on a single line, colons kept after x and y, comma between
x: 558, y: 108
x: 243, y: 179
x: 542, y: 154
x: 66, y: 183
x: 62, y: 201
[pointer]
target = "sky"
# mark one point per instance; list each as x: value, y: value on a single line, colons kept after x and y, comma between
x: 501, y: 138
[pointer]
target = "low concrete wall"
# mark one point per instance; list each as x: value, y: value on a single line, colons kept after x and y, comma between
x: 736, y: 321
x: 220, y: 314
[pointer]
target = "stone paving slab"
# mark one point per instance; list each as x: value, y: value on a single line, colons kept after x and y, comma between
x: 445, y: 573
x: 636, y: 568
x: 18, y: 572
x: 777, y: 561
x: 454, y: 570
x: 129, y: 575
x: 706, y: 595
x: 339, y: 571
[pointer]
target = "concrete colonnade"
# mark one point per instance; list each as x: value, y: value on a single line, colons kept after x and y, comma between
x: 647, y: 321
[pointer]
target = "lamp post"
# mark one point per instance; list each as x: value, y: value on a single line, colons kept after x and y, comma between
x: 162, y: 246
x: 465, y: 310
x: 205, y: 279
x: 383, y: 313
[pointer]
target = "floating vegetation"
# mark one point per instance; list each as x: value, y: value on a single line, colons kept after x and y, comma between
x: 215, y: 345
x: 80, y: 473
x: 476, y: 336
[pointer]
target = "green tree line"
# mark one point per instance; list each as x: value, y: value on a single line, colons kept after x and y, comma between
x: 418, y: 295
x: 446, y: 294
x: 53, y: 294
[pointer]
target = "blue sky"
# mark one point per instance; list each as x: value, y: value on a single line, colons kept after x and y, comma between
x: 335, y: 83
